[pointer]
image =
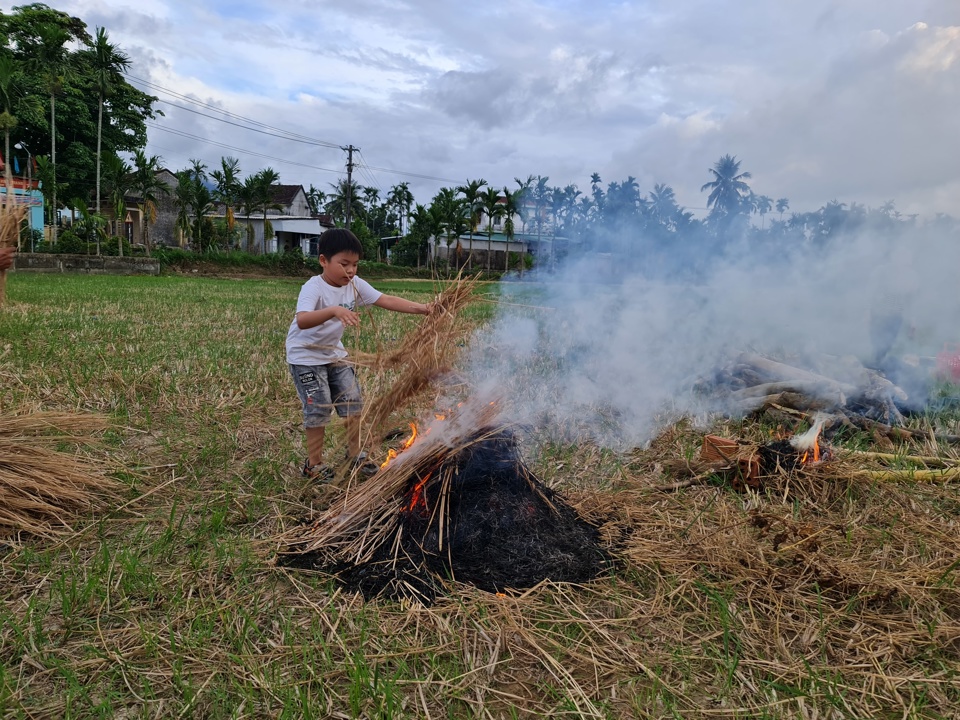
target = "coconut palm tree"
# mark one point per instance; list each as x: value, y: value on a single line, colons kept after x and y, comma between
x: 727, y: 189
x: 108, y: 64
x: 148, y: 187
x: 50, y: 61
x: 663, y: 204
x: 345, y: 196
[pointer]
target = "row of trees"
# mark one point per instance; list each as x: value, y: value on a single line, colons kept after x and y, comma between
x: 649, y: 229
x: 51, y: 68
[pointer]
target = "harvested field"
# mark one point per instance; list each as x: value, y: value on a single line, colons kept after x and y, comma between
x: 828, y: 592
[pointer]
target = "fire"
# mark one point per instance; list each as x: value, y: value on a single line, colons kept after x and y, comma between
x: 417, y: 499
x: 392, y: 454
x: 808, y: 444
x: 812, y: 455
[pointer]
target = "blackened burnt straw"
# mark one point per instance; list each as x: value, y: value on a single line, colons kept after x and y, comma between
x: 458, y: 504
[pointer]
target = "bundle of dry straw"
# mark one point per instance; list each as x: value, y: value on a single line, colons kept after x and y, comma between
x: 422, y: 357
x: 43, y: 488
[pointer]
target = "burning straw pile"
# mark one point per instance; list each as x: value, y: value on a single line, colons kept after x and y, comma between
x: 457, y: 504
x: 43, y: 488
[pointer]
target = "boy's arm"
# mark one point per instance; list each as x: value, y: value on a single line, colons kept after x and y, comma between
x: 402, y: 305
x: 307, y: 319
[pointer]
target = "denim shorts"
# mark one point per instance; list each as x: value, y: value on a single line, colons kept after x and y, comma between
x: 323, y: 388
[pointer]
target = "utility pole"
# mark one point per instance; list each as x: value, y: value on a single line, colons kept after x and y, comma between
x: 350, y: 150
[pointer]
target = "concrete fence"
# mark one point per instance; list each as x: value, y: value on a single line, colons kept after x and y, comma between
x: 87, y: 264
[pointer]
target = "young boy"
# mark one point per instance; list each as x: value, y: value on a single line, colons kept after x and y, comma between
x: 328, y: 303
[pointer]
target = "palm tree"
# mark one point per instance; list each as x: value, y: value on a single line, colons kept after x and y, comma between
x: 450, y: 215
x: 344, y: 194
x: 763, y: 204
x: 10, y: 79
x: 510, y: 208
x: 108, y: 64
x: 200, y: 198
x: 423, y: 229
x: 202, y: 206
x: 148, y: 187
x: 663, y: 204
x: 490, y: 202
x: 51, y: 62
x: 183, y: 201
x: 471, y: 196
x: 401, y: 198
x: 540, y: 195
x: 247, y: 202
x: 266, y: 179
x: 227, y: 180
x: 727, y: 189
x: 315, y: 199
x: 782, y: 206
x: 119, y: 177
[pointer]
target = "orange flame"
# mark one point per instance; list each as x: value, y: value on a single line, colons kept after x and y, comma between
x: 417, y: 498
x: 813, y: 454
x: 392, y: 454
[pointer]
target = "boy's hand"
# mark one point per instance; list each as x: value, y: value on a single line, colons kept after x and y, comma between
x: 348, y: 317
x: 6, y: 257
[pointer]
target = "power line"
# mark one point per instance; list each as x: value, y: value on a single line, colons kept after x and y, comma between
x: 254, y: 153
x: 285, y: 134
x: 185, y: 98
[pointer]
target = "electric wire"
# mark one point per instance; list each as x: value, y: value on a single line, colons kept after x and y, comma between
x: 284, y: 134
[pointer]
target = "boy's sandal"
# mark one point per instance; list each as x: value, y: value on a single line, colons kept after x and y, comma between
x: 362, y: 464
x: 317, y: 473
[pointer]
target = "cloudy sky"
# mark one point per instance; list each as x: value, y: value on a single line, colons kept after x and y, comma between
x: 853, y: 100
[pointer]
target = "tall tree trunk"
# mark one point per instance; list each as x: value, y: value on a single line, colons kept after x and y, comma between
x: 7, y: 172
x: 53, y: 167
x: 99, y: 136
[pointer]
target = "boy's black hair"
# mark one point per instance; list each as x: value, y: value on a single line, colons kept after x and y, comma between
x: 337, y: 240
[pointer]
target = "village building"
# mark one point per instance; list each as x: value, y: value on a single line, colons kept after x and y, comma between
x: 289, y: 222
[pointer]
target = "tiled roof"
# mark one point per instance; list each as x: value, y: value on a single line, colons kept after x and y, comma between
x: 284, y: 194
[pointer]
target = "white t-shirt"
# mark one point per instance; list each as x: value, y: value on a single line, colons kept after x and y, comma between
x: 321, y: 345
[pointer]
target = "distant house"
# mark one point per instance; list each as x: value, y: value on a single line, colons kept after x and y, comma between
x: 161, y: 231
x: 290, y: 219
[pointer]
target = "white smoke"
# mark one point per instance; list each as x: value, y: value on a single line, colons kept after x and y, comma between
x: 591, y: 351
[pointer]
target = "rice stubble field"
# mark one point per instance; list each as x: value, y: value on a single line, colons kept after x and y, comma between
x: 833, y: 596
